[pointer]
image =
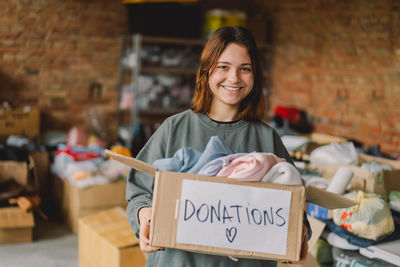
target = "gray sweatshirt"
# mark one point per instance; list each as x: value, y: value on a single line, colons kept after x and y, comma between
x: 189, y: 129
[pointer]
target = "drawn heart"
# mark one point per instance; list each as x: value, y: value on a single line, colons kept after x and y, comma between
x: 231, y: 233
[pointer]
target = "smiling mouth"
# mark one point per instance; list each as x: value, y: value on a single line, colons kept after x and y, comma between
x: 230, y: 88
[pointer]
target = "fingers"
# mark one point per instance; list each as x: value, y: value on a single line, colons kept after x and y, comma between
x: 148, y: 249
x: 144, y: 245
x: 144, y: 236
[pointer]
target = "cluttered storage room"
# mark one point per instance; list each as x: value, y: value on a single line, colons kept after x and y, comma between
x: 199, y: 133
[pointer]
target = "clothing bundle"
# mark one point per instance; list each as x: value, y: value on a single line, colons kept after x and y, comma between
x: 85, y: 166
x: 218, y: 159
x: 365, y: 242
x: 370, y: 219
x: 335, y: 153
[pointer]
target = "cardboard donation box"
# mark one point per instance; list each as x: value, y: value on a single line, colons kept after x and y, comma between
x: 16, y: 225
x: 217, y: 215
x: 79, y: 202
x: 20, y: 121
x: 381, y: 182
x: 107, y: 240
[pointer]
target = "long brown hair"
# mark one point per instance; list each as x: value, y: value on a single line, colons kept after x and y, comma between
x: 252, y: 106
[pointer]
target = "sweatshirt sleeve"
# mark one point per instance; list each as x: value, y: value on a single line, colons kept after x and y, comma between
x: 280, y: 149
x: 139, y: 187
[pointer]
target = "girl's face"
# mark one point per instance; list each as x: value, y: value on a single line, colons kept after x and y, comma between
x: 232, y: 79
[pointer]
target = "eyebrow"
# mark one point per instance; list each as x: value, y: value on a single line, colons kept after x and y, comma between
x: 228, y: 63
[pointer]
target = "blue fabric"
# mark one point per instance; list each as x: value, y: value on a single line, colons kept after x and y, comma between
x: 182, y: 160
x: 189, y: 160
x: 215, y: 148
x: 214, y: 166
x: 363, y: 242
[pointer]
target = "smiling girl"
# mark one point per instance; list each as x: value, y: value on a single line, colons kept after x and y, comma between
x: 228, y: 103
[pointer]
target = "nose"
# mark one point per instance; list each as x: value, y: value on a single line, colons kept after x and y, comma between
x: 233, y: 76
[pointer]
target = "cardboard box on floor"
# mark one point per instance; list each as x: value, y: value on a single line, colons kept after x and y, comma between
x: 107, y: 240
x: 380, y: 183
x: 16, y: 225
x: 217, y: 215
x: 78, y: 202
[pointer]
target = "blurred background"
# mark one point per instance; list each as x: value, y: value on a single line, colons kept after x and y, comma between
x: 79, y: 76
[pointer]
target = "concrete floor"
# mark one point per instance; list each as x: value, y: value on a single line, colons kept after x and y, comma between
x: 54, y: 245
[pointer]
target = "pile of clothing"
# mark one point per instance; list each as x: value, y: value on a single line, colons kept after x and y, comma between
x: 218, y: 159
x: 85, y: 166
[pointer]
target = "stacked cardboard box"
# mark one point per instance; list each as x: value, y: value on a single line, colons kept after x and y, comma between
x: 107, y: 240
x: 20, y: 121
x: 75, y: 202
x: 16, y: 225
x: 373, y: 182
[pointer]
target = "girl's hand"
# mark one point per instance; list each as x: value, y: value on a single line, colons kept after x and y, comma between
x: 303, y: 252
x: 144, y: 232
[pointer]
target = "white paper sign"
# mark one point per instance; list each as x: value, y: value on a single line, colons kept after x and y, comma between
x: 233, y: 216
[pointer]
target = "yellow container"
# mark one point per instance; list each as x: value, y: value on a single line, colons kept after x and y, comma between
x: 217, y: 18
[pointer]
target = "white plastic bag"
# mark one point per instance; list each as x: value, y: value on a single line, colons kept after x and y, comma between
x: 370, y: 219
x: 335, y: 153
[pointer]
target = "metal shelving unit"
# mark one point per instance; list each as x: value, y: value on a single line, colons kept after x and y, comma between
x: 134, y: 66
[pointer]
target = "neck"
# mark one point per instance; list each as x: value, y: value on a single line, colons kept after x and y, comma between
x: 223, y: 114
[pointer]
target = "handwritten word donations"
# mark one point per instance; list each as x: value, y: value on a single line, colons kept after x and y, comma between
x: 233, y: 214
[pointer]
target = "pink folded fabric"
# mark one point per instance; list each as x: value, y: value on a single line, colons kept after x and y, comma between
x: 250, y: 167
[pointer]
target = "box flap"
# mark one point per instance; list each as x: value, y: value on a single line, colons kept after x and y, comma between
x: 14, y: 217
x: 317, y: 228
x: 326, y: 199
x: 113, y: 226
x: 132, y: 162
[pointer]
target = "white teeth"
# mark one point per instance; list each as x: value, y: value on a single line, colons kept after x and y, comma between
x: 232, y: 88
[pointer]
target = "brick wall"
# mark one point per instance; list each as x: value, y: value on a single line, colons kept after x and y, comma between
x: 337, y: 59
x: 340, y: 61
x: 61, y: 55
